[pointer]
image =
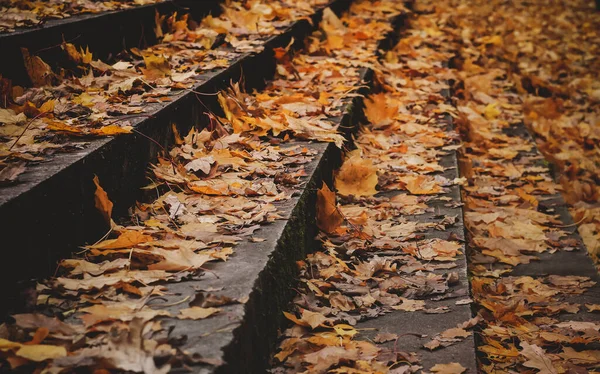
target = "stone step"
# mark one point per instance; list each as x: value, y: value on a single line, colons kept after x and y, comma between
x: 56, y: 197
x: 241, y: 337
x: 414, y: 329
x: 408, y: 326
x: 105, y: 33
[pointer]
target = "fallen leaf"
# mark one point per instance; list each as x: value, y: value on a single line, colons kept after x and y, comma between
x: 451, y: 368
x: 197, y: 312
x: 329, y: 217
x: 103, y: 203
x: 357, y: 176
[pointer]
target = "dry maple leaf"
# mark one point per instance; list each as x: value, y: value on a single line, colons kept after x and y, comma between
x: 379, y: 112
x: 357, y: 176
x: 329, y: 217
x: 421, y: 184
x: 308, y: 318
x: 39, y: 72
x: 33, y: 352
x: 383, y: 337
x: 126, y: 239
x: 537, y: 358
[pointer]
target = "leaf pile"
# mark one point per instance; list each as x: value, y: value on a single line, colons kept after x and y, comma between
x: 106, y: 99
x: 379, y: 255
x: 21, y: 13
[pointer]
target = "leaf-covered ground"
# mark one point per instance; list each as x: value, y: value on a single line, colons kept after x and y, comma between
x: 513, y: 64
x: 551, y: 54
x: 214, y: 189
x: 91, y: 98
x: 467, y: 76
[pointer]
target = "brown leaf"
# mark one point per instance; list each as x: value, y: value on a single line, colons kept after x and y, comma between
x: 378, y: 111
x: 39, y: 72
x: 537, y: 358
x: 308, y: 318
x: 54, y: 325
x: 10, y: 173
x: 383, y: 337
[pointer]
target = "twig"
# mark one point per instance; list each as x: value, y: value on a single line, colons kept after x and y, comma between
x: 572, y: 224
x: 27, y: 127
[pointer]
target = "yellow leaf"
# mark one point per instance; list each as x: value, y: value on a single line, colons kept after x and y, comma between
x: 112, y: 130
x: 378, y: 111
x: 156, y: 66
x: 345, y: 330
x: 127, y: 239
x: 420, y: 184
x: 61, y: 126
x: 7, y: 344
x: 77, y: 56
x: 33, y: 352
x: 86, y: 57
x: 48, y: 106
x: 41, y: 352
x: 491, y: 111
x: 308, y: 318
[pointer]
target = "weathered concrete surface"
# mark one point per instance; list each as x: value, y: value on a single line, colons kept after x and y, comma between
x: 262, y: 275
x: 56, y: 198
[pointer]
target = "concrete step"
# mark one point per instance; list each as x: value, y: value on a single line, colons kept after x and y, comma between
x: 242, y: 339
x: 105, y: 33
x: 412, y: 329
x: 56, y: 197
x: 259, y: 275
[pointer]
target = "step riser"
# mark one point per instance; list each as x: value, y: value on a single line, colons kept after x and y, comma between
x: 105, y: 34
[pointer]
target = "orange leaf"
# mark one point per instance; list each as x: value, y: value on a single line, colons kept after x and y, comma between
x: 357, y: 176
x: 103, y: 203
x: 329, y: 217
x: 112, y: 130
x: 127, y: 239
